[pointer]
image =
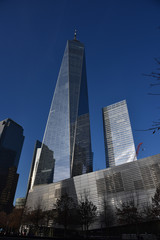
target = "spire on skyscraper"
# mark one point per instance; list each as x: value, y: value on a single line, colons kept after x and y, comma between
x: 75, y: 34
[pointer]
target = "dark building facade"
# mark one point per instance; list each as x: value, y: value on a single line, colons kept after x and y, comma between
x: 67, y: 133
x: 11, y: 142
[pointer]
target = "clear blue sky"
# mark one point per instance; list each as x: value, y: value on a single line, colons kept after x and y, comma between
x: 121, y: 39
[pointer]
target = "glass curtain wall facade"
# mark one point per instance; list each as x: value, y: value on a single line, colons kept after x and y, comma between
x: 109, y: 187
x: 118, y: 138
x: 33, y: 170
x: 11, y: 142
x: 67, y: 132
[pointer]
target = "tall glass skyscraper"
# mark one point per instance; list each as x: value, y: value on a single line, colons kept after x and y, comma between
x: 67, y: 133
x: 11, y: 142
x: 118, y: 138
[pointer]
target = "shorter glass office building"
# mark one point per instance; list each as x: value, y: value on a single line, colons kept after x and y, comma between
x: 118, y: 138
x: 115, y: 185
x: 20, y: 203
x: 11, y: 142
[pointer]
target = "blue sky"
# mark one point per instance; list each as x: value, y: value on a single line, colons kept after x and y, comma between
x: 121, y: 40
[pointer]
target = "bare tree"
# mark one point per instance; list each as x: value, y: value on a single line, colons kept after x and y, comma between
x: 151, y: 211
x: 37, y: 215
x: 14, y: 220
x: 155, y: 76
x: 3, y: 220
x: 107, y: 214
x: 147, y: 212
x: 49, y: 215
x: 35, y: 218
x: 26, y: 216
x: 128, y: 212
x: 64, y: 207
x: 87, y: 212
x: 156, y: 203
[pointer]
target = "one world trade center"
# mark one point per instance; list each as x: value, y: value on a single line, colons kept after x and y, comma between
x: 66, y: 147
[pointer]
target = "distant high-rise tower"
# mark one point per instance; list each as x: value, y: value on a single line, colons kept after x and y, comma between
x: 67, y: 133
x: 118, y: 138
x: 11, y: 142
x: 34, y: 165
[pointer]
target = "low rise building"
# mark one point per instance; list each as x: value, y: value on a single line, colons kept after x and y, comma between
x: 137, y: 179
